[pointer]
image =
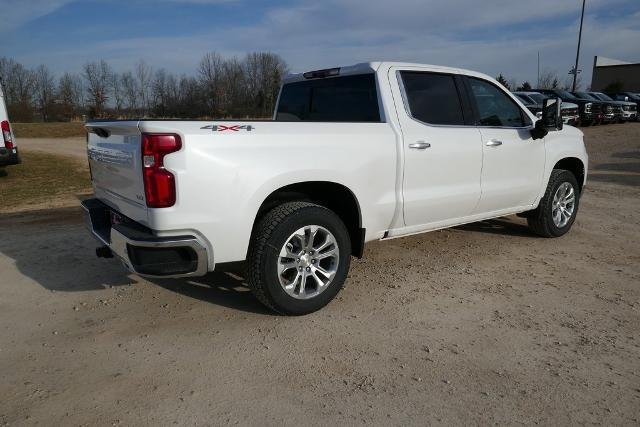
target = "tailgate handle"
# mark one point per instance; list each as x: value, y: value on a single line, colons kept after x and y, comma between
x: 101, y: 132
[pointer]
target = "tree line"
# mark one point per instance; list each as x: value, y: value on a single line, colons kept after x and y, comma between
x: 548, y: 80
x: 221, y: 87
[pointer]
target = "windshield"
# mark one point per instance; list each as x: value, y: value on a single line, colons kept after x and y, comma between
x: 585, y: 95
x: 602, y: 96
x: 565, y: 94
x: 537, y: 97
x: 525, y: 98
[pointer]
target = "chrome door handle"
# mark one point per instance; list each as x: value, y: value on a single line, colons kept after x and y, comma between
x: 494, y: 143
x: 420, y: 145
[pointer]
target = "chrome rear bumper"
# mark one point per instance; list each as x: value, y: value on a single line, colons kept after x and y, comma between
x: 140, y: 250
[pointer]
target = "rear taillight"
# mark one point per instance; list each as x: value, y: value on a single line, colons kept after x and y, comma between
x: 159, y: 183
x: 6, y: 135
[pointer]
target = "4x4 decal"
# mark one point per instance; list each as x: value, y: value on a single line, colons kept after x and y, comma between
x: 232, y: 128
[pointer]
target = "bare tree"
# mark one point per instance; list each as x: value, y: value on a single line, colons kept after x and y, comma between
x: 97, y: 75
x: 549, y: 80
x: 130, y: 88
x: 159, y: 92
x: 19, y: 86
x: 568, y: 83
x: 69, y: 96
x: 210, y: 71
x: 264, y: 72
x: 118, y: 92
x: 233, y: 89
x: 143, y: 75
x: 223, y: 87
x: 44, y: 90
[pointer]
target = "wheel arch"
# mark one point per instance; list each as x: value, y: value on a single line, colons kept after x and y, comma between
x: 334, y: 196
x: 575, y: 166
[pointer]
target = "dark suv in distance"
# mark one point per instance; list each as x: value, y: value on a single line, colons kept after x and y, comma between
x: 590, y: 110
x: 629, y: 108
x: 611, y: 112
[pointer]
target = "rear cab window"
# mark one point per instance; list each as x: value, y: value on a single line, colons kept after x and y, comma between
x: 352, y: 98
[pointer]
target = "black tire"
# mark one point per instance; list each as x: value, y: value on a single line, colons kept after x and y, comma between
x: 270, y: 235
x: 540, y: 220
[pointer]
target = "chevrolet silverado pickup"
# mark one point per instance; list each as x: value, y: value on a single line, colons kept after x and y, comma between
x: 367, y: 152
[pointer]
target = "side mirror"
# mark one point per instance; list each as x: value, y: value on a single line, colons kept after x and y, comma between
x: 552, y: 114
x: 551, y: 118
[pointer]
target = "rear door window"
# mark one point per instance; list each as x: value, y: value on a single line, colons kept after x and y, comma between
x: 433, y: 98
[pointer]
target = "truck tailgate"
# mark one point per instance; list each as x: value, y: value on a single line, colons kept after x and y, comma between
x: 115, y: 159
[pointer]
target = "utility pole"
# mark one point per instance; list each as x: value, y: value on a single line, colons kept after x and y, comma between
x: 575, y: 69
x: 538, y: 85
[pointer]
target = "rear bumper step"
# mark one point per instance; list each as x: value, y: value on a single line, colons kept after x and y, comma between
x: 139, y: 249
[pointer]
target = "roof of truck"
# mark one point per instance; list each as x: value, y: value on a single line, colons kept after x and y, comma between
x: 374, y: 66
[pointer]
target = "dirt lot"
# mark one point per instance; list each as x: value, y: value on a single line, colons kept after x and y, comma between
x: 48, y: 130
x: 480, y: 324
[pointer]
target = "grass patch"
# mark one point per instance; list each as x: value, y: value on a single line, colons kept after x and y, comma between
x: 48, y: 130
x: 42, y: 179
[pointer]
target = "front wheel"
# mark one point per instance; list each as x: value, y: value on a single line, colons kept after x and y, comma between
x: 299, y: 258
x: 558, y: 208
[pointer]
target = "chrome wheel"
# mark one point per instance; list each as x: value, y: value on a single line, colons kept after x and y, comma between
x: 308, y: 262
x: 564, y: 204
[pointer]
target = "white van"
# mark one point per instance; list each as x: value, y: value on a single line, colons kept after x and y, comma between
x: 8, y: 149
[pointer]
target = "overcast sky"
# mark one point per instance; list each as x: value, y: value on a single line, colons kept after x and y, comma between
x: 492, y: 36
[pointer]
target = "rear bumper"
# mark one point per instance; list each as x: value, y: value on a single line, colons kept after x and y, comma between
x: 9, y: 157
x: 140, y: 250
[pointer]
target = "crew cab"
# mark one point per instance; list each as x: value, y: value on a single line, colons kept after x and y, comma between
x: 8, y: 148
x: 354, y: 154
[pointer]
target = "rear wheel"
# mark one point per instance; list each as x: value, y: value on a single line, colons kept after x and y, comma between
x: 558, y: 208
x: 299, y: 258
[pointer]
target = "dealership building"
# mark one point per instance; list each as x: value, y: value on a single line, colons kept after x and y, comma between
x: 614, y: 75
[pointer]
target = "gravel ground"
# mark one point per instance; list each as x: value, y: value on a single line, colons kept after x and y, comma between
x: 475, y: 325
x: 72, y: 147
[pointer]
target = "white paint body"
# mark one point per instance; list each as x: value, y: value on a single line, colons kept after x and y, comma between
x: 222, y: 178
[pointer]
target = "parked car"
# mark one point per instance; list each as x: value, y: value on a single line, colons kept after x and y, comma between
x: 8, y: 149
x: 626, y: 96
x: 355, y: 154
x: 532, y: 105
x: 569, y: 111
x: 590, y: 110
x: 611, y: 113
x: 629, y: 110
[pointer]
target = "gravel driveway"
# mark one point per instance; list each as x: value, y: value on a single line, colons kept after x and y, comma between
x: 479, y: 324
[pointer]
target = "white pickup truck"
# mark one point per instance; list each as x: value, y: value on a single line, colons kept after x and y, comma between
x: 354, y: 154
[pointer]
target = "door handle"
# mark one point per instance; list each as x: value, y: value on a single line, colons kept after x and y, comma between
x: 494, y: 143
x: 420, y: 145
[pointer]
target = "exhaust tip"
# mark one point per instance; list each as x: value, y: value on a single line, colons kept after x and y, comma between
x: 104, y: 252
